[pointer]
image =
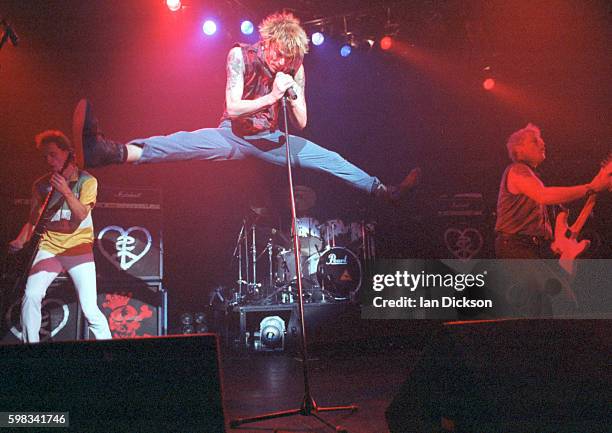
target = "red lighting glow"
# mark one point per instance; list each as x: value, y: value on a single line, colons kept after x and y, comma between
x: 386, y: 42
x: 488, y: 84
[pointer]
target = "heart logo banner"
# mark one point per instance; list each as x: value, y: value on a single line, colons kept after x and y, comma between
x: 463, y: 244
x: 126, y: 252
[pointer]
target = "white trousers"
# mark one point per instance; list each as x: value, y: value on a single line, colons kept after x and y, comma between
x: 45, y: 268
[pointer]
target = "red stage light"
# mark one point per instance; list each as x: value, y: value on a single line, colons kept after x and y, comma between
x: 386, y: 42
x: 488, y: 84
x: 173, y: 5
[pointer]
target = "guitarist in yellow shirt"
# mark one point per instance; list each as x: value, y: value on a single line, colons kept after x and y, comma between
x: 62, y: 238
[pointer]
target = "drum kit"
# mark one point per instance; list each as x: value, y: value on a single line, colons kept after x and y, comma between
x: 332, y: 258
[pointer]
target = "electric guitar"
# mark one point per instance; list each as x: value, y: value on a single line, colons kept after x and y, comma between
x: 566, y: 243
x: 27, y: 255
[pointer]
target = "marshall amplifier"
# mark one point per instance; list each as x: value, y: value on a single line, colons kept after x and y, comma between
x: 461, y: 227
x: 133, y: 310
x: 128, y: 234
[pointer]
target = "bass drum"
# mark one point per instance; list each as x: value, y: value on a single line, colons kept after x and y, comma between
x: 339, y: 272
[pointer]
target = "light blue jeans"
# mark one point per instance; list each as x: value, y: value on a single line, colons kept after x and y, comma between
x: 221, y: 144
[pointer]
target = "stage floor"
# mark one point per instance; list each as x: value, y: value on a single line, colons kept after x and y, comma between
x: 257, y: 383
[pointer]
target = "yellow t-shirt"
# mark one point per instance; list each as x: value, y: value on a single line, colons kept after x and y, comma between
x: 72, y: 241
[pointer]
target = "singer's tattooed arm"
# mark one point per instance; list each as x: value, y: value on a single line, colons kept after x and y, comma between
x: 235, y: 105
x: 299, y: 115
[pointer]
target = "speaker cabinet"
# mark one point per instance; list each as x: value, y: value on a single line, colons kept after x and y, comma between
x: 128, y: 234
x: 133, y: 310
x: 61, y: 316
x: 163, y: 384
x: 510, y: 376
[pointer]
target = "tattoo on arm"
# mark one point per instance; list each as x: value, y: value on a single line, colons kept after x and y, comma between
x: 235, y: 69
x: 300, y: 78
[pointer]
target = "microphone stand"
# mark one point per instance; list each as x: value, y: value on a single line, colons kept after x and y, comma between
x: 308, y: 407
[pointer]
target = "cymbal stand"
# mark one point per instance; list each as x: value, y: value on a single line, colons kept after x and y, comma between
x: 238, y: 254
x: 308, y: 406
x: 253, y: 284
x: 270, y: 282
x: 267, y: 249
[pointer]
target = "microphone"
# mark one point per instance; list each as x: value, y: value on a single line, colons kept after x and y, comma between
x: 291, y: 94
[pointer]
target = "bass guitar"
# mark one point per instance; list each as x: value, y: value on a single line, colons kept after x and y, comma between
x: 49, y: 207
x: 566, y: 244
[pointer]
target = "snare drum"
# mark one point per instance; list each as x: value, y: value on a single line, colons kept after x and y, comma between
x: 286, y: 270
x: 285, y: 267
x: 339, y: 272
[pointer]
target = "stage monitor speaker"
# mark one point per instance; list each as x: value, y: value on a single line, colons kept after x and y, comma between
x: 163, y: 384
x: 137, y: 309
x: 61, y: 315
x: 510, y: 376
x: 128, y: 233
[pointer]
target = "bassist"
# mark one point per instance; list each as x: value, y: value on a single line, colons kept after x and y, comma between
x: 522, y: 227
x: 67, y: 242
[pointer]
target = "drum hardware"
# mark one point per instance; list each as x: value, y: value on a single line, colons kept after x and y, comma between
x: 333, y: 231
x: 245, y: 252
x: 238, y: 255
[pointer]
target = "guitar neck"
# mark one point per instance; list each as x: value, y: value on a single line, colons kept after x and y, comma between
x: 584, y: 215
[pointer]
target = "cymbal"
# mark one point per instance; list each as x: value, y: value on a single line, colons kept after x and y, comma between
x: 305, y: 197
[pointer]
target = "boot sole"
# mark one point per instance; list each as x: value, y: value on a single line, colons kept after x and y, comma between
x: 78, y: 122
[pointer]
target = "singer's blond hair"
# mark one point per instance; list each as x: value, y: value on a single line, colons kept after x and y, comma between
x: 284, y: 30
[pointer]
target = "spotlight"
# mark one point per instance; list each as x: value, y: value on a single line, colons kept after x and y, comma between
x: 386, y: 43
x: 488, y: 84
x: 188, y: 329
x: 271, y: 334
x: 317, y: 38
x: 199, y: 317
x: 345, y: 50
x: 246, y: 27
x: 173, y: 5
x: 209, y: 27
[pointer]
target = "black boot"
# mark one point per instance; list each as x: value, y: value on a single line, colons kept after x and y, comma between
x: 91, y: 148
x: 393, y: 193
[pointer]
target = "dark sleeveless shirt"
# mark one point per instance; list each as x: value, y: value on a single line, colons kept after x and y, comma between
x: 519, y: 214
x: 258, y: 80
